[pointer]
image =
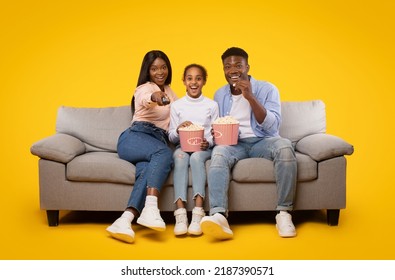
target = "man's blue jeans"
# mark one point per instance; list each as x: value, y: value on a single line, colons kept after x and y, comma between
x: 197, y: 161
x: 223, y: 158
x: 145, y: 145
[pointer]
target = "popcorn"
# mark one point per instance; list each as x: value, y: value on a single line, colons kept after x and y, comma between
x: 192, y: 127
x: 226, y: 120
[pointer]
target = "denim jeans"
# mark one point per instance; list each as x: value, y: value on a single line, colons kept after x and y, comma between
x: 197, y: 161
x: 277, y: 149
x: 145, y: 145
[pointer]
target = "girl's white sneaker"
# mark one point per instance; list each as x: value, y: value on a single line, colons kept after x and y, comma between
x: 197, y: 215
x: 181, y: 226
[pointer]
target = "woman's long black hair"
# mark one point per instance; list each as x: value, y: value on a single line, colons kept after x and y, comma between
x: 144, y: 76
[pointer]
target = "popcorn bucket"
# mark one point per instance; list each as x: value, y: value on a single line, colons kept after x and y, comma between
x: 190, y: 140
x: 226, y: 134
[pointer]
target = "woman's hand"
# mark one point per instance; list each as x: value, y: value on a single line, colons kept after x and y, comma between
x: 160, y: 98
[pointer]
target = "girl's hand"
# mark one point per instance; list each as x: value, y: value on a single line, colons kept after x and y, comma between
x: 184, y: 124
x: 204, y: 145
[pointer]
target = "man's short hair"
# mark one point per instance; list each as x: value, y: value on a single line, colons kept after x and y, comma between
x: 234, y: 51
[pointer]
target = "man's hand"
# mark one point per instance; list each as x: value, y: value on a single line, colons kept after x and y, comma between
x: 244, y: 87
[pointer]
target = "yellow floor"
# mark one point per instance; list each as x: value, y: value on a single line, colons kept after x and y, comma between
x: 82, y: 235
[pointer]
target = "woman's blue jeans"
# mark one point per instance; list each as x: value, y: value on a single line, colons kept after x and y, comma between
x: 277, y: 149
x: 145, y: 145
x: 197, y: 161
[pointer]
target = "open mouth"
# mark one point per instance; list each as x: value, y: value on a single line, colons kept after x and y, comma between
x: 234, y: 78
x: 160, y: 78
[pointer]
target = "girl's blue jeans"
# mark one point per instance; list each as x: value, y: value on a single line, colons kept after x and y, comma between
x: 197, y: 162
x: 145, y: 145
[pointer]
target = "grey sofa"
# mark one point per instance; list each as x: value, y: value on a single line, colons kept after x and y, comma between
x: 79, y: 168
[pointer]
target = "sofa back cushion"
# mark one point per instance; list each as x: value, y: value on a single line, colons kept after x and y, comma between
x: 302, y: 118
x: 98, y: 128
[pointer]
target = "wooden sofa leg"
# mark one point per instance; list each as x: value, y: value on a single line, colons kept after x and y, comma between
x: 332, y: 216
x: 53, y: 218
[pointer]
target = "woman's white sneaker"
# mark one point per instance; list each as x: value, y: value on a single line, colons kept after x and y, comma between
x: 150, y: 217
x: 121, y: 229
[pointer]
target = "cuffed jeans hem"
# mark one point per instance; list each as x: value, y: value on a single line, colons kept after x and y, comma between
x: 219, y: 210
x: 198, y: 194
x: 154, y: 187
x: 284, y: 208
x: 182, y: 199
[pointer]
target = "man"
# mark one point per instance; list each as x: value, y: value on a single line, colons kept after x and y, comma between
x: 257, y: 107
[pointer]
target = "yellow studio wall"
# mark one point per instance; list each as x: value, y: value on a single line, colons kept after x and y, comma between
x: 89, y: 53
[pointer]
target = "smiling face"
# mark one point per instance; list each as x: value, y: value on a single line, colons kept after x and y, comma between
x: 235, y: 69
x: 194, y: 81
x: 158, y: 72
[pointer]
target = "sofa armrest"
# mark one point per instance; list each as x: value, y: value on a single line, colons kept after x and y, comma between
x: 323, y: 146
x: 58, y: 147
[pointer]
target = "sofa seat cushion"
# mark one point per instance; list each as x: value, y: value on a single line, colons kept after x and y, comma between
x: 254, y: 170
x: 100, y: 167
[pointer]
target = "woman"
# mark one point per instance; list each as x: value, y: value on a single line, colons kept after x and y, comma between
x: 145, y: 144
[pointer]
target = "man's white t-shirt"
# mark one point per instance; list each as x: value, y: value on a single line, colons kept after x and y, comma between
x: 241, y: 111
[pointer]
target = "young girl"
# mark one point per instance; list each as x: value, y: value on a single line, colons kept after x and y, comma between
x: 144, y: 144
x: 196, y: 109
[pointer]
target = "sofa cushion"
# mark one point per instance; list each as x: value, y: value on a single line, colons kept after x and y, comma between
x: 300, y: 119
x: 108, y: 167
x: 324, y: 146
x: 58, y: 147
x: 254, y: 170
x: 98, y: 128
x: 100, y: 167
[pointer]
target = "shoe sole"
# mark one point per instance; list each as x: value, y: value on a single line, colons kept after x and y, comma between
x: 191, y: 232
x: 178, y: 233
x: 151, y: 226
x: 121, y: 236
x: 285, y: 234
x: 194, y: 232
x: 216, y: 230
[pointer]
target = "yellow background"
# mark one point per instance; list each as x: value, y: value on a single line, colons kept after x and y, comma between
x: 88, y: 53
